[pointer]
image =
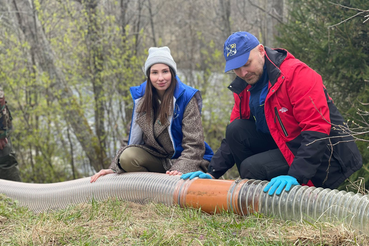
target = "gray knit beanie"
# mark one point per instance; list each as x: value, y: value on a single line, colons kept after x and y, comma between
x: 160, y: 55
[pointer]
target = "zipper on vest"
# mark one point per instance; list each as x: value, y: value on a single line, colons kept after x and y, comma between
x: 280, y: 121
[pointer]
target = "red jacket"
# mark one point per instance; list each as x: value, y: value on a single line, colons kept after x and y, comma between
x: 300, y: 114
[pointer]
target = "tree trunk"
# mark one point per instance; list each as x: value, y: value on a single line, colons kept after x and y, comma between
x: 123, y: 11
x: 28, y: 22
x: 274, y: 16
x: 95, y: 65
x: 151, y: 15
x: 225, y: 10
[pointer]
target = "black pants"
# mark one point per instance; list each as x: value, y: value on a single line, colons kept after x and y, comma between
x: 255, y: 153
x: 8, y: 163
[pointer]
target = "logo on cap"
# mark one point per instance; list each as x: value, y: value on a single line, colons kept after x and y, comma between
x: 231, y: 50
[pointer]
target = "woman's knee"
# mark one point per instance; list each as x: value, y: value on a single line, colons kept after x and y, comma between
x: 129, y: 162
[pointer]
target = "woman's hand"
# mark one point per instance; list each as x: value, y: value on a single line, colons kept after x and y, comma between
x: 102, y: 172
x: 173, y: 173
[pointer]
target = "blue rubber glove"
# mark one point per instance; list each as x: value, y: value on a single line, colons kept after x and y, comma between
x: 193, y: 175
x: 280, y: 182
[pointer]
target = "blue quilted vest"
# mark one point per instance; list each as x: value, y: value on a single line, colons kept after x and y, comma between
x: 182, y: 96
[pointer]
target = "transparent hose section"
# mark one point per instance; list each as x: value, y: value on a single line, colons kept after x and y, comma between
x: 303, y: 203
x: 135, y: 187
x: 242, y: 197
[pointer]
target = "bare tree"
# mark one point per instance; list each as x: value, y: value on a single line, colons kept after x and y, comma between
x: 225, y: 17
x: 95, y: 65
x: 271, y: 16
x: 24, y: 16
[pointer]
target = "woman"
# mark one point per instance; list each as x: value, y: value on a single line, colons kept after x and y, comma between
x: 166, y: 134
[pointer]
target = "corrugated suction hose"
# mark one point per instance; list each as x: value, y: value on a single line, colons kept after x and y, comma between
x: 242, y: 197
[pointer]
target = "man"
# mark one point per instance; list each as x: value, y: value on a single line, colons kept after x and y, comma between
x: 8, y: 163
x: 284, y: 126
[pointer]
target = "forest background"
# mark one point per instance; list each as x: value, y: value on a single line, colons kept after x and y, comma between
x: 66, y: 67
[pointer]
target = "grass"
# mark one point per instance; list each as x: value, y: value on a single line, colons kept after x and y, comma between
x: 116, y: 222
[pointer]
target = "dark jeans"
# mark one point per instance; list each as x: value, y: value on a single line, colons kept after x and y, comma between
x: 255, y: 153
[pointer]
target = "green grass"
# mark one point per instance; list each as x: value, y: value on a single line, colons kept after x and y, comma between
x: 124, y: 223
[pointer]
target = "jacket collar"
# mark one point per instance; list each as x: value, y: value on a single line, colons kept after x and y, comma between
x: 179, y: 88
x: 273, y: 61
x: 238, y: 85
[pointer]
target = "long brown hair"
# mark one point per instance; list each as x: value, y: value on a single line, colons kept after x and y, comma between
x: 151, y: 99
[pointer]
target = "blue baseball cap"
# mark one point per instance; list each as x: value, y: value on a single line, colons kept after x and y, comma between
x: 237, y: 49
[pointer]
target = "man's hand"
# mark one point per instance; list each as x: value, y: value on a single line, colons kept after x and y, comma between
x: 3, y: 142
x: 280, y: 182
x: 199, y: 174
